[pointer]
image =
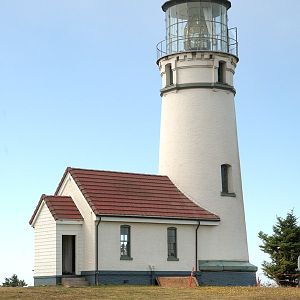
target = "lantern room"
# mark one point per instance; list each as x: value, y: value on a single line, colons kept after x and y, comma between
x: 197, y: 25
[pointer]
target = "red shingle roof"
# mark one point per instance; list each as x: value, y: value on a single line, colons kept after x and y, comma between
x: 61, y: 208
x: 136, y: 195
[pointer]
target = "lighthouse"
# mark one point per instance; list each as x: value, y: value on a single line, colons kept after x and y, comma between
x: 108, y: 227
x: 198, y: 138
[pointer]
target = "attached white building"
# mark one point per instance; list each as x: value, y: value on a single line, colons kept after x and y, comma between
x: 116, y: 227
x: 112, y: 227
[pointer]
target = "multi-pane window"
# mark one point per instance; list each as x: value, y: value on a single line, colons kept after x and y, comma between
x: 125, y: 241
x: 172, y: 243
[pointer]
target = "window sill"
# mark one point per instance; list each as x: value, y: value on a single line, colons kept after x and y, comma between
x: 126, y: 258
x: 173, y: 259
x: 228, y: 194
x: 169, y: 85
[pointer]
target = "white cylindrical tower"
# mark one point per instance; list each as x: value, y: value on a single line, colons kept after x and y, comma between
x: 198, y: 142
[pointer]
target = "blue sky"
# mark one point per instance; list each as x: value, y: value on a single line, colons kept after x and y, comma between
x: 80, y: 87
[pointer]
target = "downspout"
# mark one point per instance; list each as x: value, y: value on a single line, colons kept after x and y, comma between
x: 196, y: 253
x: 97, y: 253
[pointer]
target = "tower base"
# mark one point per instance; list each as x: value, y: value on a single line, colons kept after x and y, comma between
x: 226, y: 273
x: 227, y: 278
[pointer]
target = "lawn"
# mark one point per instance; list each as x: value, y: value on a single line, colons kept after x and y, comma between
x: 134, y: 292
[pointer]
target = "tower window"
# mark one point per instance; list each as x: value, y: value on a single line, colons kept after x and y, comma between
x: 172, y: 244
x: 226, y: 176
x: 222, y: 72
x: 125, y: 242
x: 169, y: 75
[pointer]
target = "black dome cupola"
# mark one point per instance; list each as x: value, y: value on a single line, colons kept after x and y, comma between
x: 174, y: 2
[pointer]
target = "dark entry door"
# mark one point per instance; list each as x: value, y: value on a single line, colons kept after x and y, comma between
x: 68, y: 254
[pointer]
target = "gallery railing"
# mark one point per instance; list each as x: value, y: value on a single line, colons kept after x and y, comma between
x: 200, y: 42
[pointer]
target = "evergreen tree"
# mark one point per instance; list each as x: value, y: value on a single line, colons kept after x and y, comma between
x: 14, y: 281
x: 283, y: 246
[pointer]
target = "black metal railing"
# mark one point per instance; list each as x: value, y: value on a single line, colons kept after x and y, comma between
x: 226, y: 43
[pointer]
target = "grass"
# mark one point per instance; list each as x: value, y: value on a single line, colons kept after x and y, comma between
x: 141, y: 293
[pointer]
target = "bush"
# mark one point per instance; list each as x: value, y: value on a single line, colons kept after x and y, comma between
x: 14, y: 281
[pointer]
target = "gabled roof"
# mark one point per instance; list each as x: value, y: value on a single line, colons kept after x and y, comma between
x: 135, y: 195
x: 61, y: 208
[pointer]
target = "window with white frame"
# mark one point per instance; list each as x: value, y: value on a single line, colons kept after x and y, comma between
x: 125, y: 242
x: 172, y: 243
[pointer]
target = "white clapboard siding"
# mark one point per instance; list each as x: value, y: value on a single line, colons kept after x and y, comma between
x: 45, y: 243
x: 69, y: 188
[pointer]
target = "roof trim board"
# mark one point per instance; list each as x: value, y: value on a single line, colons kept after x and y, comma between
x: 152, y: 220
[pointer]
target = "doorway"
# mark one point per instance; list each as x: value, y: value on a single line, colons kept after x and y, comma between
x: 68, y: 255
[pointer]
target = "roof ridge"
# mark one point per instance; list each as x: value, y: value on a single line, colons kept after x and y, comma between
x: 118, y: 172
x: 54, y: 196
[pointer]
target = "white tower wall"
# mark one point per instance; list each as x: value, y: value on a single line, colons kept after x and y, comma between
x: 198, y: 135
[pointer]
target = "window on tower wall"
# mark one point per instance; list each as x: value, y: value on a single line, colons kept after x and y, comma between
x: 222, y: 72
x: 125, y: 242
x: 226, y: 176
x: 169, y: 75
